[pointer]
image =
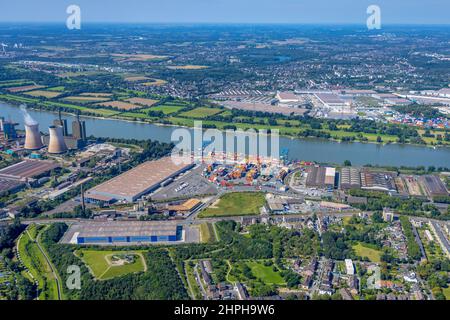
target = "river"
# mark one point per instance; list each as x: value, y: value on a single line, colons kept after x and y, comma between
x: 304, y: 149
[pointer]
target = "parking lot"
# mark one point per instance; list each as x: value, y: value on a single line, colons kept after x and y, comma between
x: 188, y: 185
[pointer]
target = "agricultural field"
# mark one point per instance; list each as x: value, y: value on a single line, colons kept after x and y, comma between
x: 136, y: 78
x: 24, y: 88
x: 58, y: 89
x: 154, y: 82
x: 364, y: 251
x: 43, y: 93
x: 111, y: 264
x: 119, y: 105
x: 123, y: 57
x: 200, y: 113
x: 15, y: 83
x: 96, y: 94
x: 235, y: 204
x: 187, y: 67
x: 167, y: 109
x: 142, y: 101
x: 84, y: 99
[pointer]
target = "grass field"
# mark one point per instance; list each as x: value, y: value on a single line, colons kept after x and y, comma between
x: 363, y: 251
x: 167, y: 109
x: 235, y: 204
x: 200, y: 113
x: 207, y: 233
x: 35, y: 262
x: 446, y: 292
x: 101, y: 263
x: 265, y: 273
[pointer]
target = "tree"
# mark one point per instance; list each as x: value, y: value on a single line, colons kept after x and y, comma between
x: 347, y: 163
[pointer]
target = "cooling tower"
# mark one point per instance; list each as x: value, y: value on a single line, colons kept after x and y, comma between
x: 56, y: 143
x: 33, y: 139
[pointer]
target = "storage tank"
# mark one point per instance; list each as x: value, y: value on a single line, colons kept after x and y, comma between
x: 33, y: 139
x: 56, y: 143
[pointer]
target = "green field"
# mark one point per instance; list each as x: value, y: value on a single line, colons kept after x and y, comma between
x: 35, y: 262
x: 101, y: 264
x: 235, y: 204
x: 446, y: 292
x: 207, y: 233
x: 266, y: 273
x: 200, y: 113
x: 167, y: 109
x: 363, y: 251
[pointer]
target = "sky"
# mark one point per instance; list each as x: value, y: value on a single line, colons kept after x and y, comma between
x: 228, y: 11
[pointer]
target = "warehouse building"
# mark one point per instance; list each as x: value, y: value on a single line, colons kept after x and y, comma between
x: 378, y: 181
x: 134, y: 183
x: 433, y: 185
x: 320, y: 177
x: 350, y: 178
x: 28, y: 169
x: 120, y: 232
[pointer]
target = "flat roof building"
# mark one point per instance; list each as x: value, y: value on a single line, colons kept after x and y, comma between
x: 28, y: 169
x: 320, y: 177
x: 111, y: 232
x: 134, y: 183
x: 433, y: 185
x: 349, y: 266
x: 378, y: 181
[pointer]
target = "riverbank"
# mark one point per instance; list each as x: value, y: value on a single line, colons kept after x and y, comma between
x: 288, y: 132
x: 318, y: 150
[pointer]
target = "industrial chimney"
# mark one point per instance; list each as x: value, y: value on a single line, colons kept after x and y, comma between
x: 56, y: 143
x: 33, y: 139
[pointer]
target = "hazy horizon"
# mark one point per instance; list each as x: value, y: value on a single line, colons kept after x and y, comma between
x: 393, y: 12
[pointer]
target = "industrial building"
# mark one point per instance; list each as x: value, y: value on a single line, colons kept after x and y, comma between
x: 378, y: 181
x: 8, y: 186
x: 186, y: 207
x: 56, y: 143
x: 433, y: 185
x: 28, y: 169
x: 33, y: 139
x: 350, y: 178
x: 61, y: 139
x: 320, y: 177
x: 137, y: 182
x: 136, y: 232
x: 8, y: 128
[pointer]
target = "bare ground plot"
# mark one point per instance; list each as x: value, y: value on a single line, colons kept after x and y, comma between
x: 142, y: 101
x: 262, y: 107
x: 24, y: 88
x: 85, y: 99
x: 119, y: 105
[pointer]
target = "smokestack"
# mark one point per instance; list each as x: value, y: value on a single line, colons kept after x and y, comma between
x: 33, y: 140
x: 56, y: 143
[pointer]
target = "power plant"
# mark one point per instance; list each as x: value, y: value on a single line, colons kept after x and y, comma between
x: 56, y: 143
x: 33, y: 140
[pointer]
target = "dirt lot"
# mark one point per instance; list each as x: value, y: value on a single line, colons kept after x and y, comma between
x: 119, y: 105
x: 142, y: 101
